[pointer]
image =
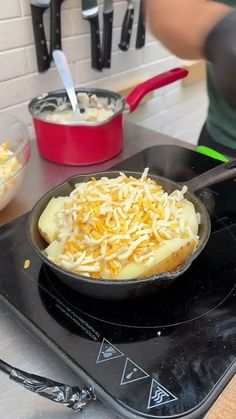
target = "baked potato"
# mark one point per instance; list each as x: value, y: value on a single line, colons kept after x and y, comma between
x: 54, y: 249
x: 190, y: 216
x: 47, y: 223
x: 168, y: 257
x: 103, y: 244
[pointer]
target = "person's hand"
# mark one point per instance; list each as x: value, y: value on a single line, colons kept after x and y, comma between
x: 220, y: 50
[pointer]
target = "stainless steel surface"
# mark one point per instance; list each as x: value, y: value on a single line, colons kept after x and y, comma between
x: 18, y: 346
x: 89, y: 8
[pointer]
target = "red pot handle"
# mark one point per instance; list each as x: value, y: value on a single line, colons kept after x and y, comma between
x: 163, y: 79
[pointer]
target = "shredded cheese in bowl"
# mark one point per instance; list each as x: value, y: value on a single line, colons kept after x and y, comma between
x: 9, y: 166
x: 110, y: 222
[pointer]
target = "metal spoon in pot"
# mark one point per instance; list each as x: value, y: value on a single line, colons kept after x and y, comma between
x: 65, y: 75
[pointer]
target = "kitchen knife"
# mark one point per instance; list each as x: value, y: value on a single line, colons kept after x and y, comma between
x: 107, y: 32
x: 127, y: 27
x: 38, y: 7
x: 90, y: 12
x: 141, y: 32
x: 55, y: 24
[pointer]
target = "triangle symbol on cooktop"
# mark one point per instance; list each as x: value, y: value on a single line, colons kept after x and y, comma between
x: 132, y: 372
x: 159, y: 395
x: 107, y: 352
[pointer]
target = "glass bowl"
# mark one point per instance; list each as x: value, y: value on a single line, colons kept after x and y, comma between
x: 14, y: 156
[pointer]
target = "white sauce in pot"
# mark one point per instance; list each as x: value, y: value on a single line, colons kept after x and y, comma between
x: 93, y: 109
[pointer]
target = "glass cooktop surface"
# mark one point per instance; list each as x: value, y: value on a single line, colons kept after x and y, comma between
x: 164, y: 356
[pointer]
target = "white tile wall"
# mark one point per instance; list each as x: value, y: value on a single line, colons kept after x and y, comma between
x: 9, y: 9
x: 174, y: 110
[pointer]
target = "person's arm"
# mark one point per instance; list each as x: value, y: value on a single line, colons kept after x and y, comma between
x: 194, y: 29
x: 183, y: 25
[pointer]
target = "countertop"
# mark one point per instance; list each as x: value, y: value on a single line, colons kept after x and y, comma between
x: 22, y: 349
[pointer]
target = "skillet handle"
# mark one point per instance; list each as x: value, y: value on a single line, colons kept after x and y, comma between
x: 163, y: 79
x: 216, y: 175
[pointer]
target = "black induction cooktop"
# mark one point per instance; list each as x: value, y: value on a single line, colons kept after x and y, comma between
x: 165, y: 356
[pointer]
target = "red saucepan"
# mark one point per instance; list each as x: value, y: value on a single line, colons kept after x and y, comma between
x: 81, y: 143
x: 133, y: 288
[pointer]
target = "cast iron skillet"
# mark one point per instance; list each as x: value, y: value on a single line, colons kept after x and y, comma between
x: 113, y: 289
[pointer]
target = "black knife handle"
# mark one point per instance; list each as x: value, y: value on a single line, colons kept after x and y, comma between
x: 55, y: 24
x: 141, y: 32
x: 96, y: 51
x: 107, y: 39
x: 43, y: 58
x: 126, y: 29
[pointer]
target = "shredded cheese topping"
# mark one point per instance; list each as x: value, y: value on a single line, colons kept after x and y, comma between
x: 108, y: 223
